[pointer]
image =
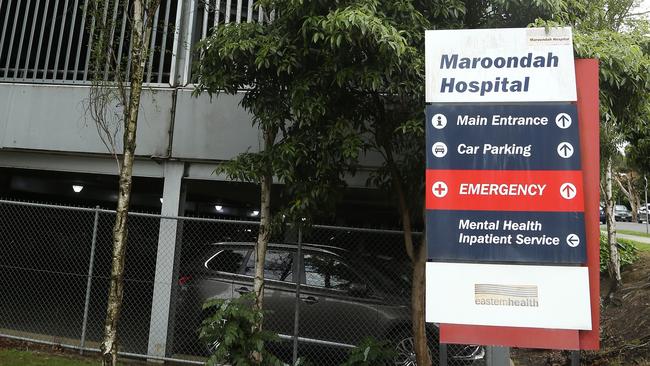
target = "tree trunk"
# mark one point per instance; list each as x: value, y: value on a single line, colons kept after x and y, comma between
x: 614, y: 266
x: 263, y: 235
x: 418, y: 261
x: 109, y: 344
x: 418, y: 303
x: 262, y: 241
x: 633, y: 198
x: 630, y: 193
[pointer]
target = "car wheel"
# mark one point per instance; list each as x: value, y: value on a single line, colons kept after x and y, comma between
x: 405, y: 351
x: 211, y: 348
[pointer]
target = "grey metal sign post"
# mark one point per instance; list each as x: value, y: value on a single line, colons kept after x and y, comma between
x: 498, y: 356
x: 646, y: 204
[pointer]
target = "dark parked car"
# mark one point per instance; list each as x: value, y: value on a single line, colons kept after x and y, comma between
x: 344, y: 297
x: 621, y: 213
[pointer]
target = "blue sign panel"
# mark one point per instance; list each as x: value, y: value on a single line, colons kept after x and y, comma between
x: 503, y: 236
x: 475, y: 149
x: 503, y: 136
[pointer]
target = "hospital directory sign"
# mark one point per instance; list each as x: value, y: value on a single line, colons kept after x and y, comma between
x: 504, y: 194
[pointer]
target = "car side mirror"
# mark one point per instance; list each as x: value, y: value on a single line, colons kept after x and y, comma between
x: 358, y: 289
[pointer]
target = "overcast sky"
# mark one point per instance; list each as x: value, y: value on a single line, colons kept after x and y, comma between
x: 645, y: 6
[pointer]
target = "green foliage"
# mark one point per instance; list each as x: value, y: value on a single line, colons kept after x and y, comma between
x: 626, y: 250
x: 335, y: 79
x: 604, y: 29
x: 370, y: 353
x: 624, y: 83
x: 230, y: 331
x: 595, y: 15
x: 507, y: 13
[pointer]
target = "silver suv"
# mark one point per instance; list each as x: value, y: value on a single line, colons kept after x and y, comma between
x: 344, y: 298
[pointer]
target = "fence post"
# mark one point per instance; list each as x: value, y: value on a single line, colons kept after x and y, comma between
x: 91, y: 263
x: 296, y: 319
x: 443, y: 354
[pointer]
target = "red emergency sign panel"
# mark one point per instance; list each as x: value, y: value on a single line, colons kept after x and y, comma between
x: 499, y: 190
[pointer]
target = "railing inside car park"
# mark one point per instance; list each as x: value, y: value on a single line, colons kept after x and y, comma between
x: 50, y: 41
x: 55, y: 260
x: 216, y: 12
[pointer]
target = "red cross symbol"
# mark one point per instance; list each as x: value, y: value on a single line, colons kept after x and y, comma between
x: 439, y: 189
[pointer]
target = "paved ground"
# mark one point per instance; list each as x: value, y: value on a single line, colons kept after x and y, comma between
x: 633, y: 226
x: 641, y: 228
x: 642, y: 239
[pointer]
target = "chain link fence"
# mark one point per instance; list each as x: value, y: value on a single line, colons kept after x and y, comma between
x: 327, y: 288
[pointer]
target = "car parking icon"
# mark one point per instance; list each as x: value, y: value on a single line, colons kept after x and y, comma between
x: 439, y: 149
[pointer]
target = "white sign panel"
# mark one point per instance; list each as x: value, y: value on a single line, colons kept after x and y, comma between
x: 499, y: 65
x: 508, y: 295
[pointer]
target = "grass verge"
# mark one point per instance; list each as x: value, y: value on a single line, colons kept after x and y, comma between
x: 33, y: 358
x: 635, y: 233
x: 642, y: 247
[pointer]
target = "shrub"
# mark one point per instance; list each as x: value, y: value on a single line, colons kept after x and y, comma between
x: 371, y: 353
x: 230, y: 334
x: 626, y: 249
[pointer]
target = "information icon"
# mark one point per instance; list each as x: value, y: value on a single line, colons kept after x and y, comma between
x: 439, y: 149
x: 439, y: 121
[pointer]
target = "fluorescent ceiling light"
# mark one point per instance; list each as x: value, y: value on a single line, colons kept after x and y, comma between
x: 256, y: 213
x: 161, y: 200
x: 77, y: 188
x: 218, y: 208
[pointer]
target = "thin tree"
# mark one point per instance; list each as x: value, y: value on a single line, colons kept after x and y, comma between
x: 304, y: 146
x: 605, y: 30
x: 627, y: 181
x: 113, y: 105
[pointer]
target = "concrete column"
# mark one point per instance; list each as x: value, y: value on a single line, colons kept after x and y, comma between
x: 167, y: 260
x: 184, y: 39
x: 498, y: 356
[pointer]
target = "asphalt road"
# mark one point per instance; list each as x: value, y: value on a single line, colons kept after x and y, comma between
x: 633, y: 226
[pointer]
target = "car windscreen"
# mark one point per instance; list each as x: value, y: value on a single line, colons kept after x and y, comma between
x: 226, y: 260
x: 389, y: 277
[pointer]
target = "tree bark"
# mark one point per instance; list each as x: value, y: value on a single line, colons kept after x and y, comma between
x: 630, y: 193
x: 418, y: 304
x: 264, y: 234
x: 614, y: 266
x: 418, y: 261
x: 109, y: 346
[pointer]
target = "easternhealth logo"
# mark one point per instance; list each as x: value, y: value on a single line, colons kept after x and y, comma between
x: 506, y: 295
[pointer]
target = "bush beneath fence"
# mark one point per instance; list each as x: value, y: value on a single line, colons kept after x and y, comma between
x: 371, y: 353
x: 230, y: 334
